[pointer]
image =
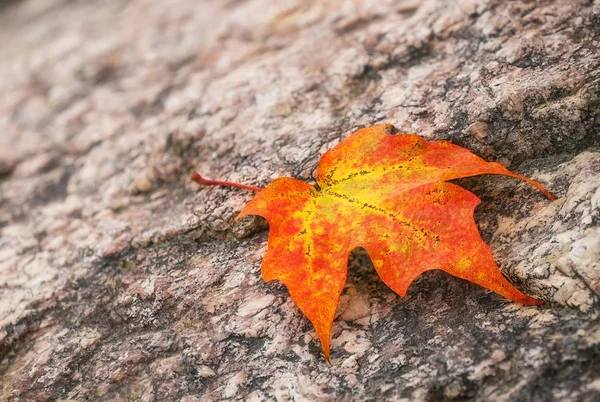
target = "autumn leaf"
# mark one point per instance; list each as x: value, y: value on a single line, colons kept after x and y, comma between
x: 389, y: 195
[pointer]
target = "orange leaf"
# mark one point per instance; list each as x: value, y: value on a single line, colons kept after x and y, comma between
x: 387, y: 194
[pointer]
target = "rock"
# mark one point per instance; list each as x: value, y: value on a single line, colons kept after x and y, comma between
x: 254, y: 305
x: 7, y: 165
x: 121, y: 279
x: 206, y: 372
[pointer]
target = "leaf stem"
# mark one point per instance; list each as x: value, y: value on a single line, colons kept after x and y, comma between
x: 203, y: 182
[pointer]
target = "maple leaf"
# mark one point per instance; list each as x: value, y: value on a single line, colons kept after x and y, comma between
x: 389, y: 195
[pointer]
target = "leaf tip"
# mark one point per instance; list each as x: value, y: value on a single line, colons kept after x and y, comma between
x: 327, y: 354
x: 534, y: 183
x: 530, y: 301
x: 390, y: 129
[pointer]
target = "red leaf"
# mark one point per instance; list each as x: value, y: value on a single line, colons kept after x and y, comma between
x: 388, y: 194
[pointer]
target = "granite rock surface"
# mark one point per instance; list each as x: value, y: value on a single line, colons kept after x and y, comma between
x: 120, y: 279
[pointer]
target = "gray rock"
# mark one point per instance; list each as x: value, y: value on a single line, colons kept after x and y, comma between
x: 120, y: 279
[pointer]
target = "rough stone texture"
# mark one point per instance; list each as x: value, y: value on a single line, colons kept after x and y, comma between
x: 121, y: 280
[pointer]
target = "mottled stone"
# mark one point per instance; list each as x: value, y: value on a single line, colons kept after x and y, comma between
x: 120, y: 279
